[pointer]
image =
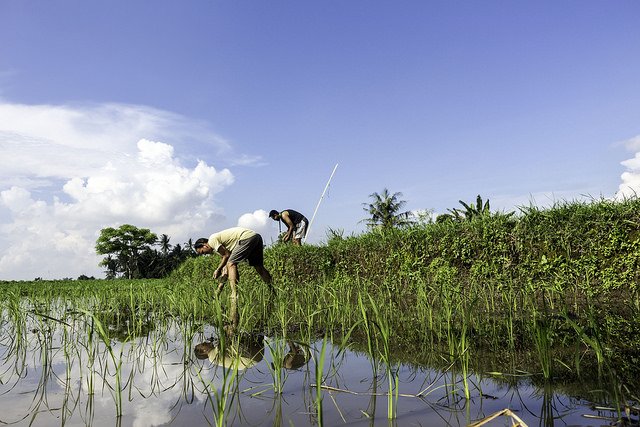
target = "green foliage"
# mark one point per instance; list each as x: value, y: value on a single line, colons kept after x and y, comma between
x: 130, y: 254
x: 577, y: 249
x: 471, y: 211
x: 298, y: 264
x: 195, y: 270
x: 594, y: 246
x: 385, y: 209
x: 124, y: 244
x: 480, y: 282
x: 569, y: 252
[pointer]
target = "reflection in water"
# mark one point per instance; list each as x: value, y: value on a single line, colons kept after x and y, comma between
x: 296, y: 357
x: 240, y: 352
x: 54, y: 373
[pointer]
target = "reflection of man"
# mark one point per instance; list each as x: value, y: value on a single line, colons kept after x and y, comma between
x: 297, y: 224
x: 296, y: 358
x: 242, y: 352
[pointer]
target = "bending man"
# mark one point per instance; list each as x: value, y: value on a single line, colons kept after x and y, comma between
x: 234, y: 245
x: 296, y: 223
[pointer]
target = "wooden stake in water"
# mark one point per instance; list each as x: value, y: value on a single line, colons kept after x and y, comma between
x: 326, y: 187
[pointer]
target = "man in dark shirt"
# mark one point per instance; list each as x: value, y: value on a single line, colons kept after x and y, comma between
x: 297, y: 224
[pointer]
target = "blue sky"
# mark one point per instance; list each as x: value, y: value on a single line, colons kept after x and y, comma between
x: 190, y: 117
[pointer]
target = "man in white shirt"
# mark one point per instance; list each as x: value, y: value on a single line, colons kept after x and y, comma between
x: 234, y: 245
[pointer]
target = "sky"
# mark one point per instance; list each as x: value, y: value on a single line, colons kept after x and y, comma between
x: 190, y: 117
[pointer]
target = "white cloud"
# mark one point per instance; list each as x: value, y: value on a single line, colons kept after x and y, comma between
x: 259, y: 222
x: 64, y: 141
x: 424, y: 215
x: 16, y: 199
x: 66, y: 173
x: 630, y: 185
x: 632, y: 144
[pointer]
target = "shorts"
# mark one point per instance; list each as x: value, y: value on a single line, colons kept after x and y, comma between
x: 301, y: 230
x: 250, y: 249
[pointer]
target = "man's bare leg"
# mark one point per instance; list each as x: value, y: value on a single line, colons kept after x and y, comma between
x: 233, y: 314
x: 233, y: 279
x: 265, y: 275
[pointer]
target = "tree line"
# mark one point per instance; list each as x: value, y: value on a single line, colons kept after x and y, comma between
x: 137, y: 253
x: 385, y: 211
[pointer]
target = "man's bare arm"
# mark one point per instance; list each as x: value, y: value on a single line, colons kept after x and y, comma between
x: 224, y: 257
x: 290, y: 225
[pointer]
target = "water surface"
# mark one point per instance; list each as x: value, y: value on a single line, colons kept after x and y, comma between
x: 64, y: 374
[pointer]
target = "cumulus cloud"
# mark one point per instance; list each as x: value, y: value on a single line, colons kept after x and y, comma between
x: 258, y: 221
x: 630, y: 185
x: 66, y: 173
x: 44, y: 142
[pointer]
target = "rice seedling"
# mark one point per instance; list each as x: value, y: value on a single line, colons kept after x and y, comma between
x: 277, y: 349
x: 543, y: 341
x: 117, y: 361
x: 384, y: 329
x: 369, y: 335
x: 462, y: 351
x: 319, y: 380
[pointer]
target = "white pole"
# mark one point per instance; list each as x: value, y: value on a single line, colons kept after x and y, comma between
x: 326, y: 187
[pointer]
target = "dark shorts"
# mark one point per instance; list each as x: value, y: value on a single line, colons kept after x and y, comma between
x: 249, y: 249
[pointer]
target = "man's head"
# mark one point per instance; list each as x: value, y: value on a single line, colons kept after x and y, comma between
x: 274, y: 215
x: 202, y: 350
x: 202, y: 246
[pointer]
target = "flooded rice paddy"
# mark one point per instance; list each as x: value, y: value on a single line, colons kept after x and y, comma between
x: 75, y: 367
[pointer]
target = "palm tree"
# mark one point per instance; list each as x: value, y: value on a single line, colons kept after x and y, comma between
x: 385, y: 209
x: 164, y: 244
x: 189, y: 249
x: 111, y: 265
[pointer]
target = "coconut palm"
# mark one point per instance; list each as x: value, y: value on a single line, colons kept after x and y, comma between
x: 385, y: 209
x: 165, y: 246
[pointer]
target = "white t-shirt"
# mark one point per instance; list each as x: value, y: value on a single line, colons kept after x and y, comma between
x: 229, y: 238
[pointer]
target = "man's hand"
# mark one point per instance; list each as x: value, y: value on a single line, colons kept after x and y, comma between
x: 221, y: 273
